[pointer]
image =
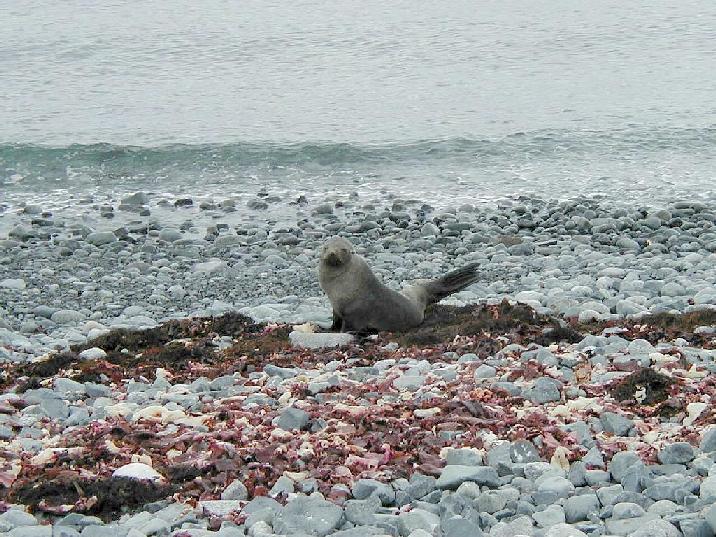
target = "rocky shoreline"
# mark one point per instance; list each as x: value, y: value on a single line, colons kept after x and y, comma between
x: 490, y: 420
x: 145, y: 337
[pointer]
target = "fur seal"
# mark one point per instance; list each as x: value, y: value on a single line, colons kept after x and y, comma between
x: 361, y: 303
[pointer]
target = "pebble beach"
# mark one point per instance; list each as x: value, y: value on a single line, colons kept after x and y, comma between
x: 582, y: 405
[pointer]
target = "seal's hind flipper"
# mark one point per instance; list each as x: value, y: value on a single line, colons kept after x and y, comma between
x: 452, y: 282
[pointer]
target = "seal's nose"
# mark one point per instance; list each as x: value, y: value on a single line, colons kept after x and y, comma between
x: 333, y: 259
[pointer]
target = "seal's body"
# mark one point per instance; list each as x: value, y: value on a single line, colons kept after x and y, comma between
x: 362, y: 303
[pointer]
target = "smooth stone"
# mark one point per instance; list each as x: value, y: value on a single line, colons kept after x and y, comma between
x: 556, y: 485
x: 16, y: 284
x: 616, y: 424
x: 315, y: 340
x: 524, y: 451
x: 544, y: 390
x: 220, y: 508
x: 656, y: 528
x: 677, y: 453
x: 94, y: 353
x: 627, y: 510
x: 293, y: 418
x: 708, y: 440
x: 463, y: 456
x: 564, y: 530
x: 137, y: 470
x: 578, y: 508
x: 100, y: 238
x: 67, y: 316
x: 621, y: 462
x: 452, y: 476
x: 235, y: 491
x: 308, y: 515
x: 553, y: 515
x: 627, y: 526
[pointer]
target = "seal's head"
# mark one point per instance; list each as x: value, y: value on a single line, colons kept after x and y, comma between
x: 336, y: 252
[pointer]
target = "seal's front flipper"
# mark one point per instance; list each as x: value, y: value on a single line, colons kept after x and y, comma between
x: 337, y: 322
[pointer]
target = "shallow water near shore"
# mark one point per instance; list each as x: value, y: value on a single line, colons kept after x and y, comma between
x: 470, y: 103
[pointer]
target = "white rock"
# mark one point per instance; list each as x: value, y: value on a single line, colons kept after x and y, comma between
x: 693, y: 411
x: 137, y: 470
x: 211, y: 266
x: 95, y: 353
x: 10, y: 283
x: 309, y: 340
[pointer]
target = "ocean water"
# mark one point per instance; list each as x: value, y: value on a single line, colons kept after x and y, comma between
x: 468, y: 100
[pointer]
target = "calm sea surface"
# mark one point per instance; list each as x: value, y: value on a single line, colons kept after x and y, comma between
x: 475, y: 98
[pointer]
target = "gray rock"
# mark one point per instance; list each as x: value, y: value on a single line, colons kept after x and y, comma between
x: 293, y: 418
x: 463, y: 456
x: 365, y: 488
x: 627, y: 510
x: 15, y: 518
x: 409, y: 382
x: 636, y: 477
x: 420, y: 486
x: 616, y: 423
x: 655, y: 528
x: 454, y: 475
x: 544, y: 390
x: 593, y: 458
x: 17, y: 284
x: 361, y: 512
x: 30, y: 531
x: 308, y: 515
x: 100, y: 238
x: 457, y: 526
x: 55, y: 408
x: 499, y: 454
x: 283, y: 486
x: 677, y: 453
x: 564, y: 530
x: 608, y: 495
x: 235, y: 491
x: 711, y: 517
x: 523, y: 451
x: 417, y: 519
x: 695, y: 527
x: 485, y: 372
x: 621, y: 462
x: 627, y: 526
x: 491, y: 501
x: 578, y: 508
x: 359, y: 531
x: 519, y: 526
x: 708, y: 488
x: 663, y: 508
x: 66, y: 531
x: 283, y: 372
x: 219, y: 507
x: 551, y: 516
x: 67, y: 316
x: 708, y: 440
x: 557, y: 485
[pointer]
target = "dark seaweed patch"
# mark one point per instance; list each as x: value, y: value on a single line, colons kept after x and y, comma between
x: 657, y: 387
x: 105, y: 498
